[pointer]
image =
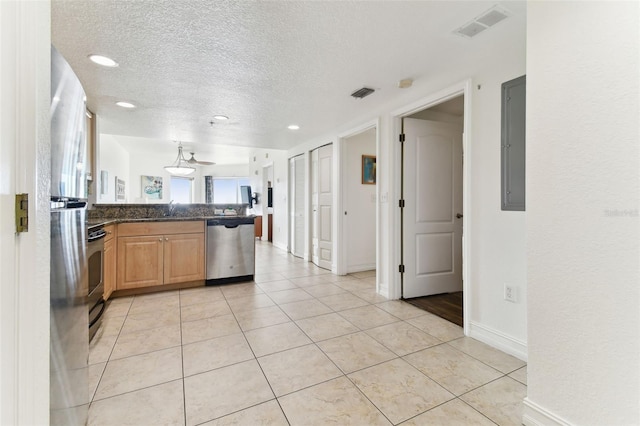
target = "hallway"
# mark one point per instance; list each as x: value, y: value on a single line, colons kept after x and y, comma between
x: 297, y: 346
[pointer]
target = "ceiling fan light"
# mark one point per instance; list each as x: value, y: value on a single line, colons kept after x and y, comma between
x: 180, y: 166
x: 180, y: 170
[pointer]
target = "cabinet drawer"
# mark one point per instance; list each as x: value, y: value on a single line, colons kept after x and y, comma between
x: 161, y: 228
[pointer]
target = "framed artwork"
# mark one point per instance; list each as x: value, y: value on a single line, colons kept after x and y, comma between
x: 151, y: 187
x: 104, y: 182
x: 120, y: 189
x: 368, y: 169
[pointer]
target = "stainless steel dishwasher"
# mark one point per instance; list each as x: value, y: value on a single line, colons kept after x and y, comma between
x: 230, y: 250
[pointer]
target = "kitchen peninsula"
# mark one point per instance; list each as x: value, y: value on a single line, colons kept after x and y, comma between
x: 158, y: 247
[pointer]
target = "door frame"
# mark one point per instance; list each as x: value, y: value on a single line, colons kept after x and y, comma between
x: 24, y: 294
x: 334, y: 189
x: 263, y: 199
x: 291, y: 183
x: 341, y: 190
x: 461, y: 88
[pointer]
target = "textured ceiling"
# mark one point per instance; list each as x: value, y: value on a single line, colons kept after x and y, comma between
x: 264, y: 64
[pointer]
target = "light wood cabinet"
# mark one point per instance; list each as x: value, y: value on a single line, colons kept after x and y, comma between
x: 109, y: 273
x: 140, y: 262
x: 156, y: 253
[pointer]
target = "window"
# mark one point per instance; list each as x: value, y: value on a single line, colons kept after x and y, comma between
x: 224, y: 190
x: 181, y: 189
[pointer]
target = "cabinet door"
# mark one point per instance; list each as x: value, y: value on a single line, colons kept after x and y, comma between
x: 109, y: 275
x: 140, y: 262
x: 183, y: 258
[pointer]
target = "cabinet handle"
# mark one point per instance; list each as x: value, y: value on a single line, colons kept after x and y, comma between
x: 159, y: 239
x: 166, y: 239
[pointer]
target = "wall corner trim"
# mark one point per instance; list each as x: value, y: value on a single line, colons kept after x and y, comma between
x: 498, y: 340
x: 535, y: 415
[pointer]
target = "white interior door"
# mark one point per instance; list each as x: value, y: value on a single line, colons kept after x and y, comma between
x: 296, y: 205
x: 432, y: 231
x: 321, y: 200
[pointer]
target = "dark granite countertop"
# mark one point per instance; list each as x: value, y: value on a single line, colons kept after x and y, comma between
x: 92, y: 223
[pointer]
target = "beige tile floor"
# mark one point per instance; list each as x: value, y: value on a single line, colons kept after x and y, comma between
x: 298, y: 346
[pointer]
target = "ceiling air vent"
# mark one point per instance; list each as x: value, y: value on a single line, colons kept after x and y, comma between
x: 361, y: 93
x: 482, y: 22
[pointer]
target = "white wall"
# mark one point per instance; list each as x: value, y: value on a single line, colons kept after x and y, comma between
x: 496, y: 238
x: 115, y: 160
x: 498, y: 244
x: 132, y: 165
x: 360, y: 205
x: 583, y: 202
x: 259, y: 160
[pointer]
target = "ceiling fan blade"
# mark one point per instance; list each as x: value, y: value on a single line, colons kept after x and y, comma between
x: 193, y: 160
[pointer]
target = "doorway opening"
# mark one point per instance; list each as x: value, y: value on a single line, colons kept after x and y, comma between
x: 267, y: 210
x: 432, y: 209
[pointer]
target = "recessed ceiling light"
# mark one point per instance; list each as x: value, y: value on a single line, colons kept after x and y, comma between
x: 221, y: 117
x: 293, y: 127
x: 103, y: 60
x: 125, y: 104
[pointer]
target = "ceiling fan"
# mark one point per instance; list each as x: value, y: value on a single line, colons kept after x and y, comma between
x: 193, y: 160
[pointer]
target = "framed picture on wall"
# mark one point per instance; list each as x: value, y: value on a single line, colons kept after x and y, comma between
x: 104, y: 182
x: 151, y: 187
x: 368, y: 169
x: 120, y: 189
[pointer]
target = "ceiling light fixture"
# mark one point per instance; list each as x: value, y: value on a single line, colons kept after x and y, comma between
x: 405, y: 83
x: 221, y: 117
x: 103, y: 60
x: 293, y: 127
x: 180, y: 166
x: 125, y: 104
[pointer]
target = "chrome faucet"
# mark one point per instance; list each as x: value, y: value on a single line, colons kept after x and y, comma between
x: 172, y: 208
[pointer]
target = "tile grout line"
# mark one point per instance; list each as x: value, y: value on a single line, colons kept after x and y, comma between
x: 106, y: 364
x: 255, y: 358
x: 184, y: 385
x: 312, y: 275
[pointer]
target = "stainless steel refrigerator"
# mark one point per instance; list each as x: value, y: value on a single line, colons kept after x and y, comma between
x: 69, y: 386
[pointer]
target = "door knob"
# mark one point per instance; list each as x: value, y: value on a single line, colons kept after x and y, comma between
x: 459, y: 216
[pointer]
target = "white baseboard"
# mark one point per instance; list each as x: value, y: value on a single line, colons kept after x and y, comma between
x: 535, y: 415
x: 361, y: 268
x: 498, y: 340
x: 281, y: 246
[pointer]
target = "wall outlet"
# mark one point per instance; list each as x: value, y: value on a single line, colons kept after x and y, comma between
x: 510, y: 293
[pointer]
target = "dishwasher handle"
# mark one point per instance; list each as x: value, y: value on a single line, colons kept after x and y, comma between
x: 230, y: 222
